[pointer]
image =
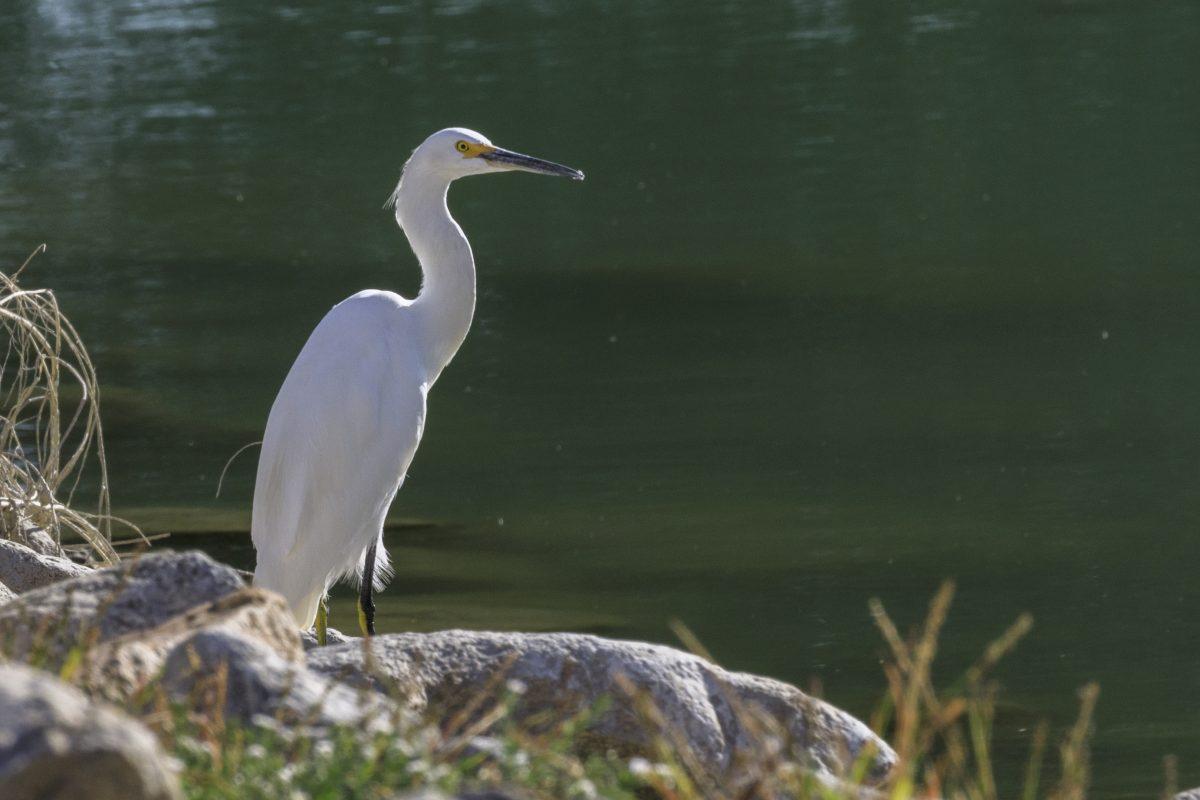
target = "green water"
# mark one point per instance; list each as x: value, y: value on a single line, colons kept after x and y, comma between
x: 856, y: 297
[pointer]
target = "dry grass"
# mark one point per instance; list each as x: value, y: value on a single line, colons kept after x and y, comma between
x: 943, y: 740
x: 45, y: 439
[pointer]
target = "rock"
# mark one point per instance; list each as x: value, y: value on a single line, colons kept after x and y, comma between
x: 6, y: 594
x: 258, y: 683
x: 332, y: 637
x: 655, y: 691
x: 22, y: 569
x: 55, y: 744
x: 119, y: 668
x: 100, y: 605
x: 1190, y: 794
x: 41, y: 542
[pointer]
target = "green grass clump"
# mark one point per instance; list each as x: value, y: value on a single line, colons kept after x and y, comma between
x: 220, y: 760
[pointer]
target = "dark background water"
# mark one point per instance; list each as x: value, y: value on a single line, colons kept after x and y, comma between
x: 856, y: 297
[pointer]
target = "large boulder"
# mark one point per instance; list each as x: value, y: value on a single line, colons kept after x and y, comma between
x: 6, y: 594
x: 119, y: 668
x: 720, y: 722
x: 255, y: 683
x: 100, y: 605
x: 23, y: 569
x: 55, y: 744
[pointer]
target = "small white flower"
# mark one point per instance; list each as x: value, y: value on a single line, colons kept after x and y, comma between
x: 640, y: 766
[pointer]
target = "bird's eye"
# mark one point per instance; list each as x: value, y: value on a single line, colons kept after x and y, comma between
x: 463, y: 147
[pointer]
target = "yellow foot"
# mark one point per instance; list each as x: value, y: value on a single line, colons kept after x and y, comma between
x: 366, y: 616
x: 322, y: 623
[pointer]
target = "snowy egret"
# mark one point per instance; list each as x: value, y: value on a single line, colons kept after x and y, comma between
x: 348, y: 418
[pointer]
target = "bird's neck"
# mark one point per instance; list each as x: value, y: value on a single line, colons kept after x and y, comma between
x: 446, y: 303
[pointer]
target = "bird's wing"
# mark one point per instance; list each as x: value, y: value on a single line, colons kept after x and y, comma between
x: 338, y: 441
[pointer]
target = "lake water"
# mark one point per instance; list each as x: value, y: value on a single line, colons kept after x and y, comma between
x: 856, y: 297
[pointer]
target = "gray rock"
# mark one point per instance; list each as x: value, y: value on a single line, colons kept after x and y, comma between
x: 55, y: 744
x: 1189, y: 794
x: 332, y: 636
x: 6, y: 594
x: 259, y: 683
x: 120, y: 668
x: 721, y: 722
x: 40, y: 542
x: 22, y: 569
x: 100, y: 605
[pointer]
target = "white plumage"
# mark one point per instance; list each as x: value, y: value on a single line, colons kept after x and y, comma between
x: 349, y: 416
x: 337, y: 445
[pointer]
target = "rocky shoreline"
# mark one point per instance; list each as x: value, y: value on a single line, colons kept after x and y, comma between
x: 170, y: 624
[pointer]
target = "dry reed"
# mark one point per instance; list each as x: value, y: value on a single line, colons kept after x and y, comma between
x: 46, y: 439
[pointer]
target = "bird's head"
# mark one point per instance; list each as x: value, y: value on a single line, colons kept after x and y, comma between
x: 458, y: 152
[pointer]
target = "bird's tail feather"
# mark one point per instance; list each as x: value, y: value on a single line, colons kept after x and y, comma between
x: 383, y: 567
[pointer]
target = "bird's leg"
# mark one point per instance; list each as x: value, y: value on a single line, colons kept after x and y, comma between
x: 366, y: 606
x: 322, y: 622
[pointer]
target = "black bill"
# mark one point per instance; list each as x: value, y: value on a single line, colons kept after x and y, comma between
x: 507, y: 158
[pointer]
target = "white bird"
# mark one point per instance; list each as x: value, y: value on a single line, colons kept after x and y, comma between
x: 348, y: 418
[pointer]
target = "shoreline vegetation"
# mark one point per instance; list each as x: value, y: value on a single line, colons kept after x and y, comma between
x: 46, y: 438
x: 173, y: 679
